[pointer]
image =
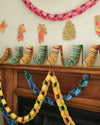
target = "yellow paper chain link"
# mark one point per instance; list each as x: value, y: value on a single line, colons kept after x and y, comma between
x: 60, y: 102
x: 58, y: 97
x: 35, y: 108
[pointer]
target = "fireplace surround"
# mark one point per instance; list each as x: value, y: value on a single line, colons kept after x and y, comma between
x: 50, y: 115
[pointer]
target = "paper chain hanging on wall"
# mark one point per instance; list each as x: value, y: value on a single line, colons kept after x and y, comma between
x: 42, y: 94
x: 62, y: 16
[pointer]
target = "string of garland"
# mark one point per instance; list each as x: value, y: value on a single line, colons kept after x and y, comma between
x: 11, y: 117
x: 74, y: 92
x: 62, y: 16
x: 58, y: 96
x: 6, y: 116
x: 60, y: 102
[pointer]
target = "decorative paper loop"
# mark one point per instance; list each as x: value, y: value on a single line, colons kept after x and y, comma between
x: 69, y: 32
x: 74, y: 92
x: 60, y: 102
x: 35, y: 108
x: 3, y: 25
x: 42, y: 30
x: 21, y: 30
x: 97, y: 24
x: 61, y: 16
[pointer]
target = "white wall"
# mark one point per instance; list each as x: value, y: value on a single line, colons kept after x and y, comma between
x: 15, y: 13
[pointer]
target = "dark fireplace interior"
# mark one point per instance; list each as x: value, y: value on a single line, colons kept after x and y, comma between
x: 49, y: 115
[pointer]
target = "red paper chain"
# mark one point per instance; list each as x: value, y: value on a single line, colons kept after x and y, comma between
x: 62, y: 16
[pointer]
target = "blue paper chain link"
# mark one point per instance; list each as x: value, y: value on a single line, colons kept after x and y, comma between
x: 6, y: 115
x: 35, y: 89
x: 76, y: 91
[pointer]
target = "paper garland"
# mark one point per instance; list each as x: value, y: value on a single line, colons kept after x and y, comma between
x: 42, y: 30
x: 69, y: 32
x: 34, y: 111
x: 61, y: 16
x: 38, y: 103
x: 3, y: 25
x: 21, y: 30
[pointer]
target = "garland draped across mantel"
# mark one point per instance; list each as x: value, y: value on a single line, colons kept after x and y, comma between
x: 38, y: 103
x: 71, y: 94
x: 61, y: 16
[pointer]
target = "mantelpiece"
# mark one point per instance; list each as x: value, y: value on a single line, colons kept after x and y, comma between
x: 14, y: 84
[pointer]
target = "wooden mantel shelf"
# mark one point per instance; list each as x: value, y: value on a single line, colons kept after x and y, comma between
x: 55, y: 68
x: 14, y: 84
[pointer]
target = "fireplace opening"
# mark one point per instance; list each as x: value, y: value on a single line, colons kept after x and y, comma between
x: 50, y: 115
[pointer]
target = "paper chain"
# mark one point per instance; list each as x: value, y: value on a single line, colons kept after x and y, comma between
x: 57, y: 94
x: 34, y: 110
x: 74, y: 92
x: 62, y: 16
x: 5, y: 114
